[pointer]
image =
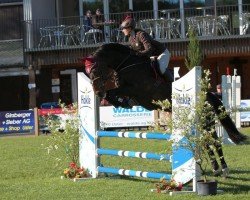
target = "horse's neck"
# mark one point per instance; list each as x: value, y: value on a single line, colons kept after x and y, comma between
x: 117, y: 61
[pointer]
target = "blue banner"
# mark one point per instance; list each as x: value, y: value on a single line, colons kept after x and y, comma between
x: 21, y: 121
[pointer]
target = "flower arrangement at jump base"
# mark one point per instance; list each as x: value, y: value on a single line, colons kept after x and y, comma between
x: 74, y: 171
x: 166, y: 186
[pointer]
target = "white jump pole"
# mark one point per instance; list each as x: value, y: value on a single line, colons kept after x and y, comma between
x: 231, y: 97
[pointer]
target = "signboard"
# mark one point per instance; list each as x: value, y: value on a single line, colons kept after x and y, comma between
x: 122, y: 117
x: 245, y: 116
x: 21, y: 121
x: 184, y: 96
x: 87, y: 104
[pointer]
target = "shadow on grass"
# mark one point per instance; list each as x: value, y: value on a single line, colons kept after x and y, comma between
x: 235, y: 188
x: 130, y: 178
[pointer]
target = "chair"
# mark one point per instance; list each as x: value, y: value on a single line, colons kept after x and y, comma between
x: 195, y: 24
x: 175, y: 27
x: 45, y: 38
x: 246, y: 22
x: 91, y: 35
x: 170, y: 28
x: 222, y: 25
x: 209, y: 25
x: 51, y: 35
x: 70, y: 35
x: 117, y: 35
x: 147, y: 26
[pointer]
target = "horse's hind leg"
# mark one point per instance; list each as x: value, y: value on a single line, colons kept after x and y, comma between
x: 215, y: 147
x: 219, y: 151
x: 226, y: 121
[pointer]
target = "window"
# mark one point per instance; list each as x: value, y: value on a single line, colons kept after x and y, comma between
x: 142, y: 5
x: 92, y: 5
x: 117, y: 6
x: 168, y: 4
x: 227, y: 2
x: 194, y: 3
x: 11, y: 22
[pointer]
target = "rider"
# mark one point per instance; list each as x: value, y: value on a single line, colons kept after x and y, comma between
x: 144, y: 45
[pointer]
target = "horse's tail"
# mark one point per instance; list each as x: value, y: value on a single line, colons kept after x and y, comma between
x: 226, y: 121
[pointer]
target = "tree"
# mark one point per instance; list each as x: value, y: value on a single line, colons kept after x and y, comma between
x: 194, y: 53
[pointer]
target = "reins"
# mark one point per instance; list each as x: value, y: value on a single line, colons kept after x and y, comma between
x: 116, y: 69
x: 132, y: 65
x: 126, y: 67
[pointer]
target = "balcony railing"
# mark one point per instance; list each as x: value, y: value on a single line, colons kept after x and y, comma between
x: 163, y: 25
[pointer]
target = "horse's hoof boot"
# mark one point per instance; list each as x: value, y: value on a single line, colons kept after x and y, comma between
x: 225, y: 172
x: 216, y: 172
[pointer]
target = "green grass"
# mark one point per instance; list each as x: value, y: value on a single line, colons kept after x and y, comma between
x: 28, y: 173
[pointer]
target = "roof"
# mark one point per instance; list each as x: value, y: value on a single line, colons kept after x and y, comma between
x: 11, y: 53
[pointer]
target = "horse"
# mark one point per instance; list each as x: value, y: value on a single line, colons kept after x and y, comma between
x: 124, y: 79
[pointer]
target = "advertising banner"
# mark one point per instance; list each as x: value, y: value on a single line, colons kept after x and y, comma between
x: 122, y: 117
x: 245, y: 115
x: 21, y: 121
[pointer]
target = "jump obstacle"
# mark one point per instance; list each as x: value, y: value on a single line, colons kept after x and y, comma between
x: 183, y: 164
x: 231, y: 98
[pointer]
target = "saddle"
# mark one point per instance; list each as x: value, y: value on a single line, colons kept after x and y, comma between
x: 168, y: 75
x: 155, y: 67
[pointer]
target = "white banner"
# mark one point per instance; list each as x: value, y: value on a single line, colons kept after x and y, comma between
x: 245, y: 116
x: 122, y: 117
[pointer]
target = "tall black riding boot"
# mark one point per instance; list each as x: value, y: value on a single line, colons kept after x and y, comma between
x: 168, y: 75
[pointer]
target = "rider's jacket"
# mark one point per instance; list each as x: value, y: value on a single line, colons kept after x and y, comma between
x: 144, y: 44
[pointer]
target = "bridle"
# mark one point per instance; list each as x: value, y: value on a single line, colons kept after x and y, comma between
x: 112, y: 74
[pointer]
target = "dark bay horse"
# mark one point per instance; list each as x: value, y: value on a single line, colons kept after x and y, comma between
x: 133, y: 77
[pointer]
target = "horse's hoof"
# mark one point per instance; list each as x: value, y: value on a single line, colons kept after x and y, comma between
x: 225, y: 172
x: 216, y: 172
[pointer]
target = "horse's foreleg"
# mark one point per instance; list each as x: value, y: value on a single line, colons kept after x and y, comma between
x: 215, y: 146
x: 213, y: 160
x: 112, y: 99
x: 118, y: 98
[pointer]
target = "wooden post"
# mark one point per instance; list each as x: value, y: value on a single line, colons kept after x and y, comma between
x: 36, y: 119
x: 32, y: 87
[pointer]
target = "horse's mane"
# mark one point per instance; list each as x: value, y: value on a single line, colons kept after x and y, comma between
x: 114, y: 47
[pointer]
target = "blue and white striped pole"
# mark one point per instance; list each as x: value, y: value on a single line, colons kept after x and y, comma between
x: 133, y: 154
x: 124, y: 172
x: 130, y: 134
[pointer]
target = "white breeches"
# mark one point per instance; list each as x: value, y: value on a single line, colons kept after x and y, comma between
x: 163, y: 60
